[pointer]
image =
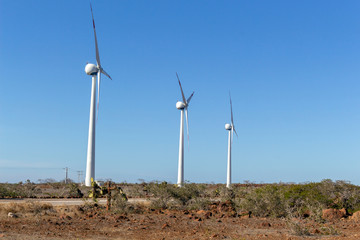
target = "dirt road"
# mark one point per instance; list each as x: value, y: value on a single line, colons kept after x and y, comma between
x: 66, y: 201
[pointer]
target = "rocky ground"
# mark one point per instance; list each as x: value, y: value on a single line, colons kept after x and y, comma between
x: 94, y: 222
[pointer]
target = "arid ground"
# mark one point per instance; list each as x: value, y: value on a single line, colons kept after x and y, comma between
x: 42, y: 221
x: 325, y: 210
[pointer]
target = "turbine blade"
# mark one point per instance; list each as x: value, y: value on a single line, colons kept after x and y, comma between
x: 182, y: 93
x: 187, y: 124
x: 232, y: 135
x: 235, y: 131
x: 96, y: 44
x: 232, y: 120
x: 98, y: 96
x: 188, y: 100
x: 103, y: 71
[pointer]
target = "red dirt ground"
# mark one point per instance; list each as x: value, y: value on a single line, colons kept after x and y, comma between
x: 70, y: 223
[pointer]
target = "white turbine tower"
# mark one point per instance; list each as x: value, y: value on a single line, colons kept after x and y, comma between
x: 231, y: 129
x: 94, y: 71
x: 182, y: 106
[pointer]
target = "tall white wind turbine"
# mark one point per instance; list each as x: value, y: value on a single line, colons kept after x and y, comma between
x: 94, y: 71
x: 182, y: 106
x: 231, y: 129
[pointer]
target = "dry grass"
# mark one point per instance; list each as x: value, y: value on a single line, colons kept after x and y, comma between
x: 28, y: 208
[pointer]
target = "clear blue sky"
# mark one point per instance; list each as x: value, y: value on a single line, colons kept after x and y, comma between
x: 292, y: 68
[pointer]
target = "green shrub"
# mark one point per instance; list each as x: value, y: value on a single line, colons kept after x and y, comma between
x: 16, y: 190
x: 298, y: 200
x: 171, y: 196
x: 264, y: 201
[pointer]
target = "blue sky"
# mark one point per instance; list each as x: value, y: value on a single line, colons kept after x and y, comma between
x: 292, y: 68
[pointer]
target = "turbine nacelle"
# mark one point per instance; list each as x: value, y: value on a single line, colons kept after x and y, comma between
x: 180, y: 105
x: 228, y: 126
x: 91, y: 69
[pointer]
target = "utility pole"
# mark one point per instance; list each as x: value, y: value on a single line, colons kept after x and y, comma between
x: 80, y: 176
x: 78, y: 172
x: 66, y: 174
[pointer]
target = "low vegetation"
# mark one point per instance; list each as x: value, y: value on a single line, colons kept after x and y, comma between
x: 279, y: 200
x: 298, y: 200
x: 29, y: 208
x: 44, y: 189
x: 191, y: 196
x: 299, y: 208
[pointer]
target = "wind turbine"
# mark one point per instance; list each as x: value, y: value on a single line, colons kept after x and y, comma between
x: 94, y: 71
x: 182, y: 106
x: 231, y: 129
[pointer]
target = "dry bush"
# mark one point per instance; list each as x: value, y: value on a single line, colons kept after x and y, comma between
x: 225, y: 194
x: 161, y: 193
x: 44, y: 189
x: 74, y: 191
x: 31, y: 207
x: 264, y: 202
x: 198, y: 204
x: 297, y: 228
x: 90, y: 206
x: 135, y: 190
x: 17, y: 190
x: 12, y: 207
x: 120, y: 205
x: 299, y: 200
x: 72, y: 211
x: 329, y: 230
x: 171, y: 196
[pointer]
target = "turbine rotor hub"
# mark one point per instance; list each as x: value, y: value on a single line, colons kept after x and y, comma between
x: 180, y: 105
x: 228, y: 126
x: 91, y: 69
